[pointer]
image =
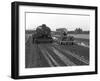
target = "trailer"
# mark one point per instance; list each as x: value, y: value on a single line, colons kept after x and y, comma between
x: 67, y: 42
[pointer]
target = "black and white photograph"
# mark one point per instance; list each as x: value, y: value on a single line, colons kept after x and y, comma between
x: 56, y: 39
x: 51, y: 40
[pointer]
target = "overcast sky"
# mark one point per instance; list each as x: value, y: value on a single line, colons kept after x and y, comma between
x: 54, y: 21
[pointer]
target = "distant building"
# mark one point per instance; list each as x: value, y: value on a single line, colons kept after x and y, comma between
x: 55, y: 33
x: 62, y: 30
x: 59, y: 32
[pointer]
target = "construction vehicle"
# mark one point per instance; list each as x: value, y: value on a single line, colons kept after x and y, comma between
x: 66, y: 40
x: 42, y: 35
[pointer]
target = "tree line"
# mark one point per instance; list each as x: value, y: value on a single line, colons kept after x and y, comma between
x: 79, y: 31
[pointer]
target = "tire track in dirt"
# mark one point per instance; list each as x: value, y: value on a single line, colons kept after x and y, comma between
x: 72, y: 54
x: 51, y: 61
x: 62, y: 57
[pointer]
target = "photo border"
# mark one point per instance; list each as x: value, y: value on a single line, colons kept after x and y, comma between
x: 15, y: 39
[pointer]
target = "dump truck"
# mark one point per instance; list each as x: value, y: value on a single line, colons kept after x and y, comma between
x: 42, y: 34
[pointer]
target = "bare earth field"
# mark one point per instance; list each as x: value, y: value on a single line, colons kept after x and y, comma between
x: 82, y: 36
x: 53, y: 54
